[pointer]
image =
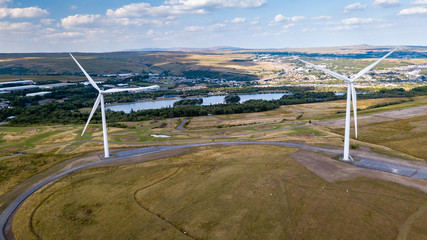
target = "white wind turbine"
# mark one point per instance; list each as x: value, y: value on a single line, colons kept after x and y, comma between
x: 100, y: 99
x: 351, y: 94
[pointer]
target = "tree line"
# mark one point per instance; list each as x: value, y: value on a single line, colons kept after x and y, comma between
x: 67, y: 112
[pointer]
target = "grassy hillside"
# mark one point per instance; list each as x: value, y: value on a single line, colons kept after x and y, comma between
x: 175, y: 63
x: 244, y: 192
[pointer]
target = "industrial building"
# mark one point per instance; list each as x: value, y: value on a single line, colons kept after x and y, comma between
x: 20, y: 82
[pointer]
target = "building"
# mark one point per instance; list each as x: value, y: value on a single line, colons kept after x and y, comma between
x: 18, y: 88
x: 87, y: 83
x: 55, y: 85
x: 146, y: 89
x: 36, y: 94
x: 20, y: 82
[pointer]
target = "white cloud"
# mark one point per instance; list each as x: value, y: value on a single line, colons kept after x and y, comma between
x: 255, y: 21
x: 96, y: 21
x: 280, y: 18
x: 194, y: 28
x: 204, y: 28
x: 386, y: 3
x: 20, y: 26
x: 413, y: 11
x: 78, y: 21
x: 181, y: 7
x: 4, y: 1
x: 238, y: 20
x: 133, y: 21
x: 73, y: 7
x: 47, y: 21
x: 287, y: 26
x: 150, y: 32
x: 343, y: 27
x: 358, y: 21
x: 297, y: 18
x: 351, y: 24
x: 309, y: 29
x: 65, y: 35
x: 354, y: 7
x: 29, y: 12
x: 419, y: 2
x: 321, y: 18
x: 3, y: 12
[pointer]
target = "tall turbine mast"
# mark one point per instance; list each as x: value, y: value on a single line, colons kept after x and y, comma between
x: 100, y: 100
x: 351, y: 95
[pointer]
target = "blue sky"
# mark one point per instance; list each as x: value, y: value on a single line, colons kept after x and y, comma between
x: 99, y: 26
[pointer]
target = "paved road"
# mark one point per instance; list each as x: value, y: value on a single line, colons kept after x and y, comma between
x: 168, y: 142
x: 5, y: 216
x: 181, y: 125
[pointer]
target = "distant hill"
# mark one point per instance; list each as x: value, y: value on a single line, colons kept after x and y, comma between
x: 217, y: 48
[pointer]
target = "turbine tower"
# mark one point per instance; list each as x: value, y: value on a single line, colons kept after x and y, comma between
x: 100, y: 99
x: 351, y: 95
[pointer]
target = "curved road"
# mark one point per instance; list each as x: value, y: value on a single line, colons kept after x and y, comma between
x: 10, y: 210
x: 168, y: 142
x: 181, y: 125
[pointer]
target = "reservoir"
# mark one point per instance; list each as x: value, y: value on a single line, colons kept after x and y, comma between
x: 211, y: 100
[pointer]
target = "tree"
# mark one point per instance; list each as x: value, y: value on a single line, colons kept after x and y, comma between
x: 232, y: 99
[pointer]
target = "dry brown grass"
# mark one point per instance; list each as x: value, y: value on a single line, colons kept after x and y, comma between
x: 274, y: 116
x: 63, y: 137
x: 18, y: 59
x: 406, y: 135
x: 22, y: 135
x: 240, y: 192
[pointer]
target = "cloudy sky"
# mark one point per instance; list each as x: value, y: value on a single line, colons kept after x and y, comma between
x: 112, y: 25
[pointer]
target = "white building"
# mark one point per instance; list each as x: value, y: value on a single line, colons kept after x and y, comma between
x: 36, y: 94
x: 146, y: 89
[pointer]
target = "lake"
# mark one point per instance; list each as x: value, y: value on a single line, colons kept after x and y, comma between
x: 157, y: 104
x: 212, y: 100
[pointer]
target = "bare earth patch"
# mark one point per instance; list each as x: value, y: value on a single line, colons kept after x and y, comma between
x: 92, y: 129
x: 332, y: 170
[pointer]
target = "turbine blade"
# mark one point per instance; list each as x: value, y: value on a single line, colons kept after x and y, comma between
x: 85, y: 73
x: 114, y: 90
x: 354, y: 99
x: 365, y: 70
x: 95, y: 106
x: 334, y: 74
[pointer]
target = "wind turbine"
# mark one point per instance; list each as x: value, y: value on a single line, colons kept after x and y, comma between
x: 351, y: 94
x: 100, y: 99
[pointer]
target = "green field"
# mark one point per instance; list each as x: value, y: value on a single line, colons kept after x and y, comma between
x: 244, y: 192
